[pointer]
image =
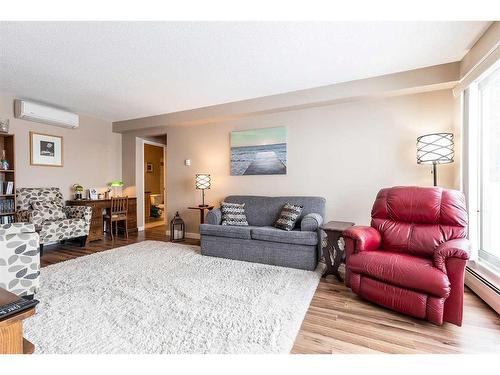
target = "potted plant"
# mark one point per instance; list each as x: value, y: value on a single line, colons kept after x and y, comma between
x: 78, y: 189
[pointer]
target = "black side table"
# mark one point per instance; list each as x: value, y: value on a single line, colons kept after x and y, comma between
x: 334, y: 249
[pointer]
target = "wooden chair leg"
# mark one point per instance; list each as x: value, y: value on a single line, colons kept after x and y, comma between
x: 126, y: 229
x: 111, y: 229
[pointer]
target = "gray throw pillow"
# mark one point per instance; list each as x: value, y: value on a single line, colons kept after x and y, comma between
x: 288, y: 217
x: 233, y: 214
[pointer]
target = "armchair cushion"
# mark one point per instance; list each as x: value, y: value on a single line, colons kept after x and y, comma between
x: 365, y: 238
x: 401, y: 270
x: 311, y: 222
x: 458, y: 248
x: 63, y: 229
x: 48, y: 210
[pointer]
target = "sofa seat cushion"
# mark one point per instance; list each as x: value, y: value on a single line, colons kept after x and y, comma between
x: 230, y: 231
x: 402, y: 270
x: 296, y: 237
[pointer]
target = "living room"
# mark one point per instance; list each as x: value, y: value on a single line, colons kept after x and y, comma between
x: 249, y: 187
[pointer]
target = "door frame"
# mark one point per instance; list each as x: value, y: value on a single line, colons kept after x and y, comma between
x: 165, y: 216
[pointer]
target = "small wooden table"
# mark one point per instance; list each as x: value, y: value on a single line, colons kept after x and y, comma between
x: 202, y: 211
x: 334, y: 249
x: 11, y: 328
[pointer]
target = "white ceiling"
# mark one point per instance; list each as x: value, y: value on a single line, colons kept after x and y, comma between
x: 124, y: 70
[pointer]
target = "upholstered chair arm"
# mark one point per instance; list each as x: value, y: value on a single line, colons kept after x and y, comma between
x: 24, y: 216
x: 360, y: 238
x: 311, y: 222
x: 214, y: 216
x: 458, y: 248
x: 16, y: 228
x: 19, y: 259
x: 78, y: 212
x: 30, y: 216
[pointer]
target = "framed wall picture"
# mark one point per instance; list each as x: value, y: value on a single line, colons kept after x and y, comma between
x: 259, y: 151
x: 93, y: 195
x: 46, y: 150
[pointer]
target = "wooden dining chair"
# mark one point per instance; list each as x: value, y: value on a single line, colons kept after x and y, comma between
x: 118, y: 212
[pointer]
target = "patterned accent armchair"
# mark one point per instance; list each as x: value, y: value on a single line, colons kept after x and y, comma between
x: 44, y: 207
x: 19, y: 258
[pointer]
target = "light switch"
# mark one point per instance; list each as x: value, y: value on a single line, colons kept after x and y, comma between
x: 187, y: 162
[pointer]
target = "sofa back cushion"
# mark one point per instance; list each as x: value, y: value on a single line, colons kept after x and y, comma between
x: 26, y: 195
x: 263, y: 211
x: 416, y: 220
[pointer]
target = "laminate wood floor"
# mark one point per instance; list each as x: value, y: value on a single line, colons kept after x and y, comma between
x: 338, y: 321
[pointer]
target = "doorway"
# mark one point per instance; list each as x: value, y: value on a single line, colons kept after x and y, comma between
x: 154, y: 184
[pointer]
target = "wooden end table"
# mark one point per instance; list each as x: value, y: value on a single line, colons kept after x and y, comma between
x: 333, y: 252
x: 11, y: 328
x: 202, y: 211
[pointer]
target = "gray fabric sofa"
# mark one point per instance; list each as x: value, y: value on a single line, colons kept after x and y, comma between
x: 260, y: 242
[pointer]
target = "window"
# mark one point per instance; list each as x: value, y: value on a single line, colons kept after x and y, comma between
x: 482, y: 171
x: 489, y: 168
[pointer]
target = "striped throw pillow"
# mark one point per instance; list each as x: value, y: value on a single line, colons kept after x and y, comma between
x: 233, y: 214
x: 288, y: 216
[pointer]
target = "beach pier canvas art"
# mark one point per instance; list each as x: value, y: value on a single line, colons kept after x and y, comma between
x: 258, y: 152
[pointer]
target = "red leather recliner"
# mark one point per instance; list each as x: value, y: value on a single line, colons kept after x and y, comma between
x: 412, y: 258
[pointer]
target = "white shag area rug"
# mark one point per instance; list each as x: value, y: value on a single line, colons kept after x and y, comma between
x: 159, y: 297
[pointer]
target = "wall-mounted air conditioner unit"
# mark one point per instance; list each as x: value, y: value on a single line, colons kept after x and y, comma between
x: 37, y: 112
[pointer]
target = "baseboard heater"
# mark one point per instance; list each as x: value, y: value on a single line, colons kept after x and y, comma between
x: 484, y: 288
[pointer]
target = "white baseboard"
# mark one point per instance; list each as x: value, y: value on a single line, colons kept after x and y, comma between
x: 188, y: 235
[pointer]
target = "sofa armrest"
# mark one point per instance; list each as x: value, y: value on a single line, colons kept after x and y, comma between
x: 16, y: 228
x: 363, y: 238
x: 214, y: 216
x: 458, y: 248
x: 311, y: 222
x: 78, y: 212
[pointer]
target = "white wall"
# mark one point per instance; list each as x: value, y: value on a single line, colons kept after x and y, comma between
x: 92, y: 153
x: 344, y: 152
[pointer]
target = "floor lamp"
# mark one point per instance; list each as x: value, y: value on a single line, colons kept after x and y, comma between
x: 436, y: 148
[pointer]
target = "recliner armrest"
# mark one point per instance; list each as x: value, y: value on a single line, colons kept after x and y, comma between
x: 311, y: 222
x: 459, y: 248
x: 364, y: 238
x: 214, y: 216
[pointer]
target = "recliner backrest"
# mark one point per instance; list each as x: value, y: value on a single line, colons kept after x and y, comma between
x: 263, y: 211
x: 416, y: 220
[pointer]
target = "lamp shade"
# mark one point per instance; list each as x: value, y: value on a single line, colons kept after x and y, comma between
x: 202, y: 181
x: 116, y: 183
x: 435, y: 148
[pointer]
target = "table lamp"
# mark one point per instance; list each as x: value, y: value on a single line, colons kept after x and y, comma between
x: 203, y: 183
x: 436, y: 148
x: 115, y: 184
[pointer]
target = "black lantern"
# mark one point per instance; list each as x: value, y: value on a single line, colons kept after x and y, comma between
x: 177, y: 229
